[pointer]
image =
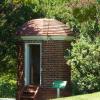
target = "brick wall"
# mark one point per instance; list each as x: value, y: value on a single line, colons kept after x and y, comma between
x: 53, y: 62
x: 20, y: 67
x: 53, y: 67
x: 51, y: 93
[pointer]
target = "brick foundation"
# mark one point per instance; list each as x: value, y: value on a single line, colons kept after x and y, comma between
x: 50, y: 93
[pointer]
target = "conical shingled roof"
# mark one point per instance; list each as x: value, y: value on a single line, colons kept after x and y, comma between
x: 43, y: 27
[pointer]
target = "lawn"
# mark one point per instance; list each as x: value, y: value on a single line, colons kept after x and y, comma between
x: 93, y: 96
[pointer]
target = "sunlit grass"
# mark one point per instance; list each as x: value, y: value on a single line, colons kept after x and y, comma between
x: 93, y: 96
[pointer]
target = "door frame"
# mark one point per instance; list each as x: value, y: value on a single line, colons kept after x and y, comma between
x: 26, y: 62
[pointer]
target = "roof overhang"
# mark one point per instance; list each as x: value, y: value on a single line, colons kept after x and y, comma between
x: 45, y: 38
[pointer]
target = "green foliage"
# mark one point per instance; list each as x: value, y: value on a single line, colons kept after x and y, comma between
x: 84, y: 57
x: 7, y: 86
x: 55, y: 9
x: 85, y: 63
x: 85, y: 13
x: 84, y: 16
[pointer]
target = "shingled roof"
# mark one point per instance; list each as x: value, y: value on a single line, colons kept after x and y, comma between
x: 43, y: 27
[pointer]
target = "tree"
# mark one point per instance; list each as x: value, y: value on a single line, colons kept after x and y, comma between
x: 85, y: 63
x: 84, y: 57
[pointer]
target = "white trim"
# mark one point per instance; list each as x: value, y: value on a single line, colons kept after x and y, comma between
x: 26, y: 59
x: 26, y: 62
x: 51, y: 37
x: 40, y: 64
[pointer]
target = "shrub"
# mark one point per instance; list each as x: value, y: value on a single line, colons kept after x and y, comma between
x: 85, y: 63
x: 7, y: 86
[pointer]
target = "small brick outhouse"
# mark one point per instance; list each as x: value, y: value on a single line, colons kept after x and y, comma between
x: 41, y: 47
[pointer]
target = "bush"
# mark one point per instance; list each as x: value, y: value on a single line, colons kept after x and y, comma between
x: 85, y: 63
x: 7, y: 86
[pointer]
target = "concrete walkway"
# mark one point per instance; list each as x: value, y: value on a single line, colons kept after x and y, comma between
x: 7, y: 99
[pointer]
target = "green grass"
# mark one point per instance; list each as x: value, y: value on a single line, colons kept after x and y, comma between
x: 93, y: 96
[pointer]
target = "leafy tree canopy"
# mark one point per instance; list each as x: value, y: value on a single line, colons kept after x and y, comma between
x: 84, y: 57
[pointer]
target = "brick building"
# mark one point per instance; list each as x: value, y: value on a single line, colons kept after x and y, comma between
x: 41, y: 47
